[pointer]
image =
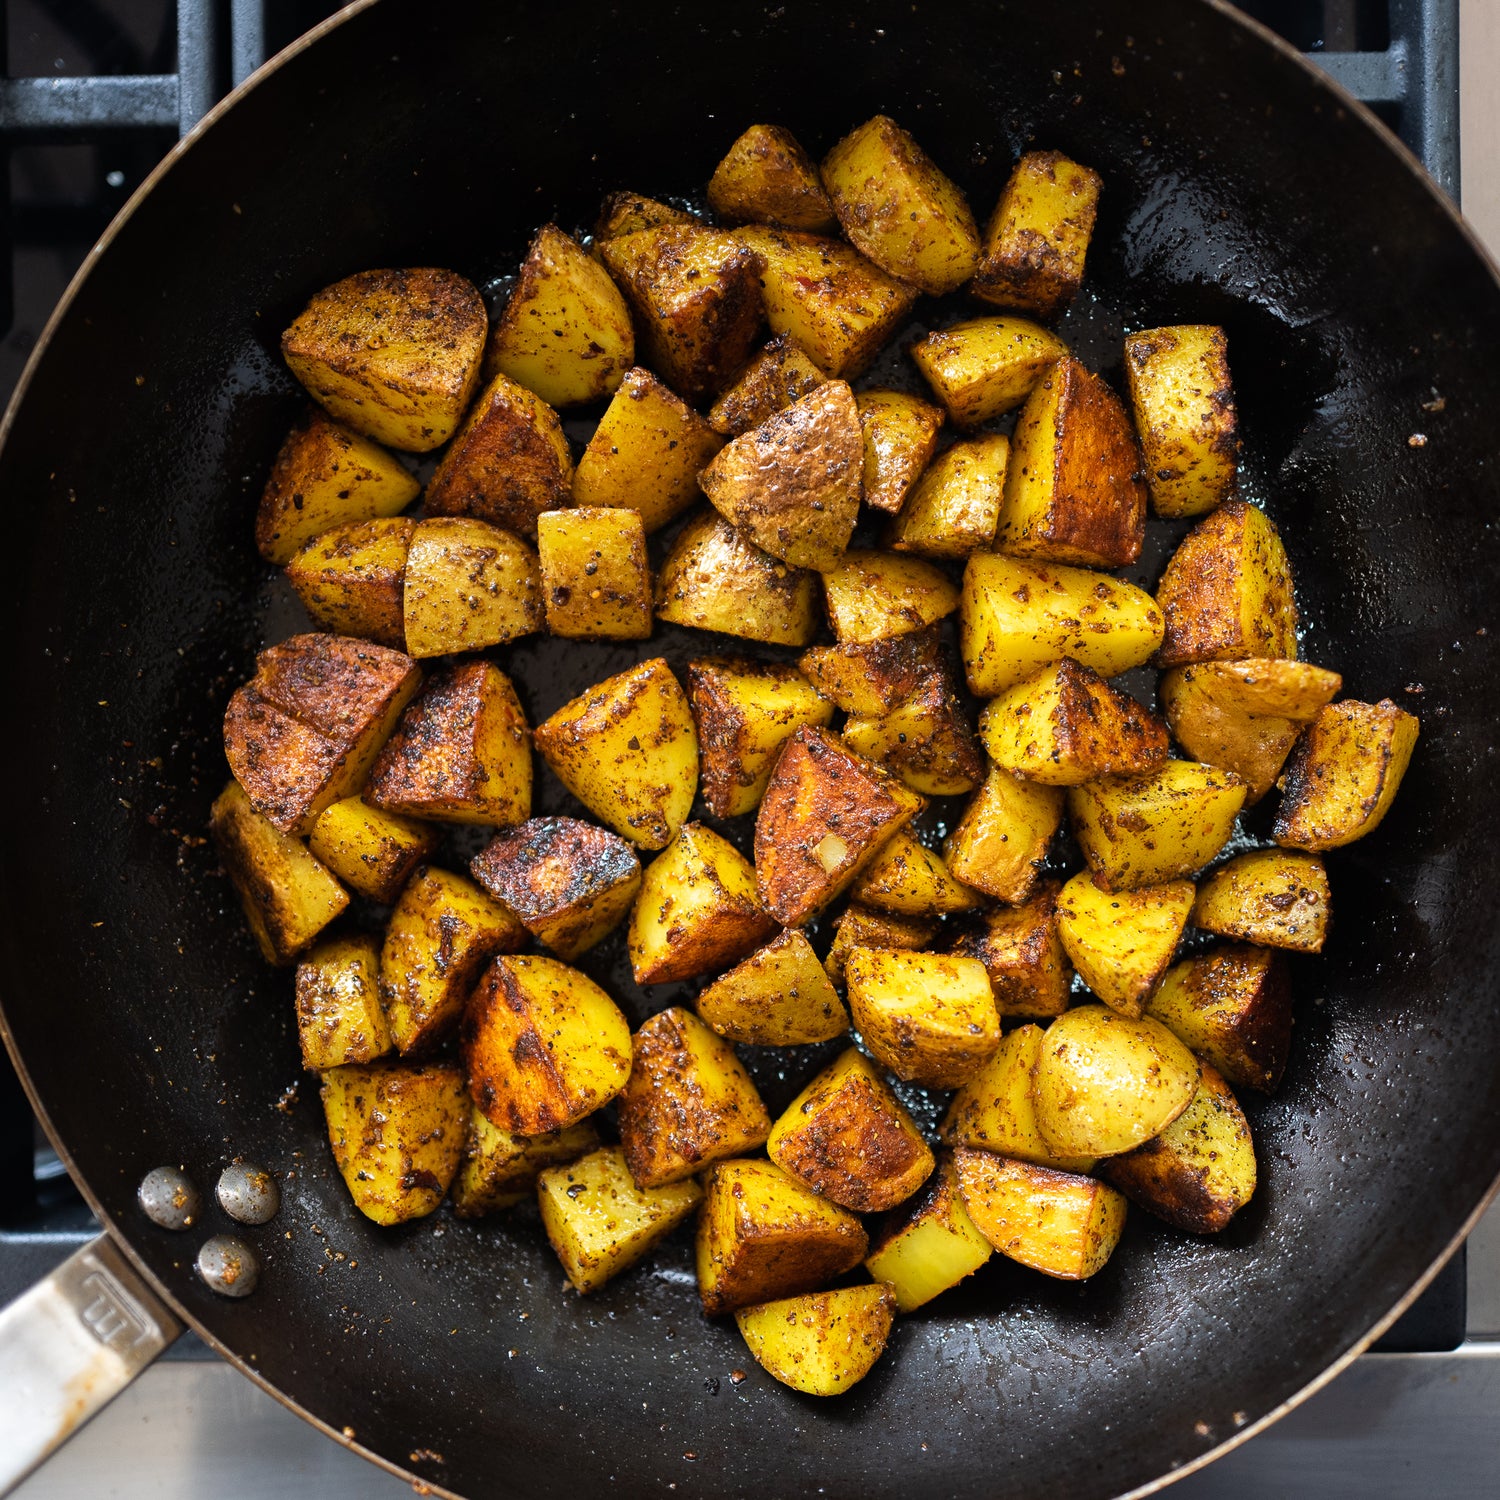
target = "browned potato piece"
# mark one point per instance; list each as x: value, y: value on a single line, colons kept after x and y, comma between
x: 468, y: 585
x: 1073, y: 490
x: 339, y: 1015
x: 716, y: 579
x: 569, y: 882
x: 688, y: 1101
x: 792, y: 485
x: 508, y: 463
x: 1001, y: 842
x: 460, y: 754
x: 306, y: 729
x: 896, y: 207
x: 928, y: 741
x: 371, y: 851
x: 1067, y: 725
x: 696, y: 296
x: 821, y: 1343
x: 630, y: 213
x: 1244, y: 715
x: 1227, y: 591
x: 778, y: 377
x: 986, y: 366
x: 1234, y: 1007
x: 596, y: 582
x: 1036, y: 240
x: 870, y: 678
x: 1344, y: 773
x: 288, y: 897
x: 824, y: 817
x: 778, y: 997
x: 392, y: 354
x: 1023, y: 954
x: 565, y: 333
x: 930, y: 1245
x: 767, y: 177
x: 955, y: 506
x: 746, y: 711
x: 543, y: 1045
x: 839, y: 306
x: 763, y: 1234
x: 847, y: 1136
x: 912, y: 881
x: 500, y: 1170
x: 1121, y: 942
x: 860, y: 927
x: 874, y: 595
x: 349, y: 579
x: 325, y: 477
x: 1273, y: 897
x: 1200, y: 1171
x: 697, y: 910
x: 901, y: 434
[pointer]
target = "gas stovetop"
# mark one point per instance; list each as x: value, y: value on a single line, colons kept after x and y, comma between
x: 97, y: 92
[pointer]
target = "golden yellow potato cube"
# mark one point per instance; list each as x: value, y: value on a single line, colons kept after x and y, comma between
x: 985, y: 367
x: 928, y: 741
x: 778, y: 377
x: 1276, y: 898
x: 861, y: 927
x: 468, y: 585
x: 371, y: 851
x: 349, y: 579
x: 767, y: 178
x: 871, y: 678
x: 955, y: 507
x: 1023, y: 954
x: 1001, y: 842
x: 933, y: 1246
x: 499, y: 1170
x: 629, y: 213
x: 911, y: 880
x: 823, y: 1343
x: 339, y: 1015
x: 596, y: 582
x: 1122, y: 941
x: 901, y: 434
x: 780, y: 996
x: 872, y: 595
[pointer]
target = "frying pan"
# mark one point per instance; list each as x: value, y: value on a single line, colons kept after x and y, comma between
x: 1242, y: 189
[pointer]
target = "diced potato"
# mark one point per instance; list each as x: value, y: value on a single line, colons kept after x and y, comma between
x: 1054, y: 1222
x: 339, y: 1015
x: 1035, y: 242
x: 840, y: 307
x: 1227, y: 592
x: 898, y: 208
x: 1001, y: 842
x: 1244, y: 715
x: 288, y: 897
x: 746, y: 711
x: 443, y: 931
x: 911, y: 880
x: 645, y: 453
x: 508, y: 463
x: 307, y: 728
x: 630, y: 213
x: 929, y: 1017
x: 1122, y: 942
x: 697, y: 911
x: 869, y: 679
x: 823, y: 1343
x: 696, y: 296
x: 955, y: 507
x: 569, y: 882
x: 793, y: 484
x: 1200, y: 1171
x: 1233, y: 1006
x: 500, y: 1170
x: 1273, y: 897
x: 1344, y: 774
x: 901, y: 434
x: 873, y: 595
x: 994, y: 1110
x: 778, y: 377
x: 847, y: 1136
x: 1023, y: 954
x: 687, y: 1103
x: 780, y: 996
x: 543, y: 1045
x: 392, y: 354
x: 349, y: 579
x: 565, y: 333
x: 1017, y: 617
x: 932, y: 1246
x: 600, y: 1223
x: 1154, y: 828
x: 468, y: 585
x: 1184, y: 412
x: 928, y: 741
x: 397, y: 1132
x: 325, y: 476
x: 596, y: 582
x: 1066, y: 726
x: 825, y: 815
x: 460, y: 754
x: 371, y: 851
x: 1073, y: 489
x: 716, y: 579
x: 861, y: 927
x: 766, y: 177
x: 763, y: 1234
x: 985, y: 367
x: 1103, y: 1083
x: 628, y: 750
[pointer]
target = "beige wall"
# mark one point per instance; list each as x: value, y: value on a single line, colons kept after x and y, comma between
x: 1479, y: 84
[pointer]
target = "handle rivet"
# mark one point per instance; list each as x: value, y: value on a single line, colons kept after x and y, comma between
x: 248, y: 1194
x: 228, y: 1266
x: 168, y: 1198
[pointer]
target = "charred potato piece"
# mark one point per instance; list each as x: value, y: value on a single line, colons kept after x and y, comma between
x: 874, y: 595
x: 928, y: 741
x: 628, y: 750
x: 460, y: 753
x: 596, y: 582
x: 767, y: 177
x: 869, y: 679
x: 861, y: 927
x: 371, y: 851
x: 901, y: 434
x: 565, y: 333
x: 468, y: 585
x: 1344, y: 774
x: 1273, y: 897
x: 823, y: 1343
x: 339, y: 1015
x: 1001, y: 842
x: 570, y: 883
x: 392, y: 354
x: 500, y: 1170
x: 985, y: 367
x: 932, y: 1245
x: 912, y: 881
x: 780, y: 996
x: 1122, y: 942
x: 697, y: 910
x: 1023, y: 954
x: 349, y: 579
x: 778, y: 377
x: 955, y: 507
x: 630, y: 213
